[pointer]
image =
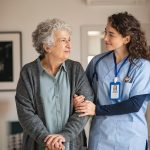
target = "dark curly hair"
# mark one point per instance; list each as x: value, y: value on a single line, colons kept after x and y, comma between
x: 128, y: 25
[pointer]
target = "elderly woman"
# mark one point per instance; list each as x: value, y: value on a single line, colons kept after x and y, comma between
x: 45, y: 91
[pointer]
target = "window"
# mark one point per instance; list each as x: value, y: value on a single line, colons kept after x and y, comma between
x: 91, y: 42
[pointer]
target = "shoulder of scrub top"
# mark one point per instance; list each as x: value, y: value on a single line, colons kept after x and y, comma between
x: 142, y: 63
x: 96, y: 59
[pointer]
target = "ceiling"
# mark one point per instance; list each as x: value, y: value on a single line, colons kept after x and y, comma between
x: 116, y: 2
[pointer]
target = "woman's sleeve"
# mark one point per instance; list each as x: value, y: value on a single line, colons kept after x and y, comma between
x: 75, y: 123
x: 140, y: 92
x: 141, y: 80
x: 131, y: 105
x: 26, y: 110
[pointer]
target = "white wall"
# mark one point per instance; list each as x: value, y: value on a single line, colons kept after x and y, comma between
x: 24, y: 15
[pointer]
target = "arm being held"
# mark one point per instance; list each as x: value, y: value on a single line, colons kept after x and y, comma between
x: 131, y: 105
x: 81, y: 86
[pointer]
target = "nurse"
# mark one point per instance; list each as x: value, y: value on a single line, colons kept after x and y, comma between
x: 119, y: 117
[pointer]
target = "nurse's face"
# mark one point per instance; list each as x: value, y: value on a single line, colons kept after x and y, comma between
x: 113, y: 39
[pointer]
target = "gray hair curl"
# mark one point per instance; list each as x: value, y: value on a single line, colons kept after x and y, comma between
x: 45, y: 31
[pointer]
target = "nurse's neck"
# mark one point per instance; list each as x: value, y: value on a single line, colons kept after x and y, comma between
x: 120, y: 55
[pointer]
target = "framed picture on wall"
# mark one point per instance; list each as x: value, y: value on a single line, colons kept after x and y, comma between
x: 10, y: 59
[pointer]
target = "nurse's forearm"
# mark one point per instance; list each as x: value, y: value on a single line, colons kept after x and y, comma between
x: 131, y: 105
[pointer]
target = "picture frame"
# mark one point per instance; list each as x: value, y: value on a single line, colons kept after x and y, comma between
x: 10, y: 59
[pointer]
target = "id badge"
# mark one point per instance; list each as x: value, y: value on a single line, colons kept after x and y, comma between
x: 115, y: 90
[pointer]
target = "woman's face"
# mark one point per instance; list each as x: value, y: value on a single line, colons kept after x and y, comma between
x: 62, y: 46
x: 113, y: 39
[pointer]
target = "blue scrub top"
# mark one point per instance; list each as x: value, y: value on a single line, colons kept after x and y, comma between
x: 119, y: 132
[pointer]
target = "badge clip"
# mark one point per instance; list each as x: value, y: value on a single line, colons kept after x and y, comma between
x: 115, y: 79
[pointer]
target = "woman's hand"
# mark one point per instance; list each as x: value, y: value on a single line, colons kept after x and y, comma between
x: 55, y: 142
x: 77, y: 100
x: 84, y: 107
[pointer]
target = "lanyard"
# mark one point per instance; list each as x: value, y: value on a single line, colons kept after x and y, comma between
x: 117, y: 71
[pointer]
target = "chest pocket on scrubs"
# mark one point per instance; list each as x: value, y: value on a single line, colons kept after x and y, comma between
x: 126, y: 88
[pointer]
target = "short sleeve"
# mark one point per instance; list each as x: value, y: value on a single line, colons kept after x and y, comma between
x: 141, y: 79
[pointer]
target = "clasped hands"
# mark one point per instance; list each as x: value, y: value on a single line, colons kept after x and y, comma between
x: 54, y: 142
x: 83, y: 106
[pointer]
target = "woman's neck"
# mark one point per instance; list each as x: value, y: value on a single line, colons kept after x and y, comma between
x: 120, y: 55
x: 51, y: 66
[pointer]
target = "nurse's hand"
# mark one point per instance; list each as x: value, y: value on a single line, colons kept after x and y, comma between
x: 84, y: 107
x: 77, y: 100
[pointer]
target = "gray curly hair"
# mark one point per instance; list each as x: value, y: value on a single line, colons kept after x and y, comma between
x: 44, y: 33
